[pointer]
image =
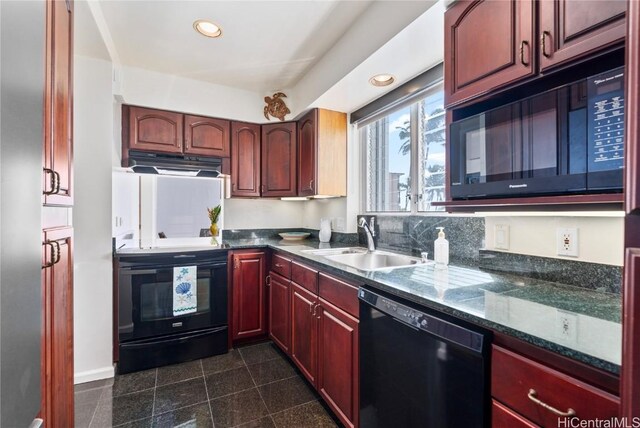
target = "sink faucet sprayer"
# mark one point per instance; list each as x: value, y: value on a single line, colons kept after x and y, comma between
x: 369, y: 230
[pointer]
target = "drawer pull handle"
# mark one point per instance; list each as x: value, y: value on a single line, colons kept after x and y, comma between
x: 278, y: 265
x: 532, y: 396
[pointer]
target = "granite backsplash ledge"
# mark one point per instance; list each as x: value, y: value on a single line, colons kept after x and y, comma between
x: 414, y: 234
x: 336, y: 237
x: 594, y: 276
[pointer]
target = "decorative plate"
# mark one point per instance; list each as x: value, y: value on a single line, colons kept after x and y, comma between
x: 294, y: 236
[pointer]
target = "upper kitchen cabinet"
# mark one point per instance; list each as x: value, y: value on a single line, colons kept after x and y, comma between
x: 245, y: 159
x: 279, y: 151
x: 206, y: 136
x: 488, y: 44
x: 322, y: 153
x: 152, y: 130
x: 573, y: 29
x: 58, y: 106
x: 493, y: 45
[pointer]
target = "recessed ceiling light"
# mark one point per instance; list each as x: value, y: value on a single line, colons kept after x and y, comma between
x: 207, y: 28
x: 382, y: 80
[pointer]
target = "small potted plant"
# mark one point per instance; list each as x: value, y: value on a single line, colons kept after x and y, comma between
x: 214, y: 214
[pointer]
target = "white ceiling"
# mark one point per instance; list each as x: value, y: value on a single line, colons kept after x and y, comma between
x: 88, y: 40
x: 418, y: 47
x: 266, y: 45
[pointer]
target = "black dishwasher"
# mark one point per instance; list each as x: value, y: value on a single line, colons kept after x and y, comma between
x: 418, y: 369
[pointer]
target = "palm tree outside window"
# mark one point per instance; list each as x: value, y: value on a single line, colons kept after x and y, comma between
x: 407, y: 146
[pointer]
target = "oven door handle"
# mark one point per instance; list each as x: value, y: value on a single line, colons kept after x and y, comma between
x: 138, y: 272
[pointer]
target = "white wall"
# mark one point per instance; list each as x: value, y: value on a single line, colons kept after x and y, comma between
x: 93, y: 124
x: 262, y: 213
x: 600, y: 239
x: 164, y: 91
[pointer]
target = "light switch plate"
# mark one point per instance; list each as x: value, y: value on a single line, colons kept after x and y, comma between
x: 501, y: 237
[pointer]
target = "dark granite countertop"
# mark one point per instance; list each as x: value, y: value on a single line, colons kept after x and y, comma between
x: 528, y: 309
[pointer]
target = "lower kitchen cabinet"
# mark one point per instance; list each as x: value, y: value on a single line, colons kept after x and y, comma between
x: 279, y: 290
x: 57, y: 328
x: 338, y: 363
x: 323, y: 331
x: 529, y: 394
x: 304, y: 331
x: 503, y: 417
x: 248, y: 296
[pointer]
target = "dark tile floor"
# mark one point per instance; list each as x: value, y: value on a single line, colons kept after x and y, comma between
x: 250, y: 387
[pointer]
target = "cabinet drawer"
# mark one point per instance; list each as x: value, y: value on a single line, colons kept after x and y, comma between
x: 339, y: 293
x: 526, y: 386
x: 304, y: 277
x: 281, y: 265
x: 503, y: 417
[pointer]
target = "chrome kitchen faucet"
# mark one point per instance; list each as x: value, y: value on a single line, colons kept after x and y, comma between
x: 369, y: 229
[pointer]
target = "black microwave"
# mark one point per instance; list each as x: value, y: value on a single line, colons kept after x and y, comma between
x: 567, y: 140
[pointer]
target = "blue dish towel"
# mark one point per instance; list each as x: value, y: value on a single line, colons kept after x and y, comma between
x: 185, y: 290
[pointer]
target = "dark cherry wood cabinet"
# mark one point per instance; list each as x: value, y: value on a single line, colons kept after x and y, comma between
x: 491, y: 45
x: 279, y: 289
x: 504, y: 417
x: 324, y: 332
x: 58, y: 106
x: 572, y: 29
x: 307, y: 143
x: 279, y: 154
x: 57, y: 369
x: 248, y: 296
x: 245, y: 159
x: 57, y: 409
x: 488, y: 44
x: 206, y: 136
x: 304, y: 331
x: 542, y: 395
x: 630, y: 371
x: 322, y: 153
x: 154, y: 130
x: 338, y: 366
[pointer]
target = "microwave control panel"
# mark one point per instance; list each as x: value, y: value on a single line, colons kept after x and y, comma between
x: 605, y: 94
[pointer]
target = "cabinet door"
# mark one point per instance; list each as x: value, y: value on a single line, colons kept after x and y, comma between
x: 338, y: 376
x: 488, y: 44
x: 206, y: 136
x: 304, y: 331
x: 58, y: 106
x: 279, y: 305
x: 571, y: 29
x: 279, y: 149
x: 307, y: 152
x: 503, y: 417
x: 249, y: 318
x: 155, y: 130
x: 57, y: 340
x: 245, y: 159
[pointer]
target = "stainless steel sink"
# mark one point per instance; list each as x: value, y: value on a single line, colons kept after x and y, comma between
x: 376, y: 260
x: 336, y: 251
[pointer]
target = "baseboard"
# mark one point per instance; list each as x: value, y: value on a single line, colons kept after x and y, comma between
x: 91, y: 375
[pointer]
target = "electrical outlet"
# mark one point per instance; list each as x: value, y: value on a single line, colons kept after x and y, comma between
x: 339, y: 224
x: 501, y: 237
x: 567, y: 241
x: 567, y: 326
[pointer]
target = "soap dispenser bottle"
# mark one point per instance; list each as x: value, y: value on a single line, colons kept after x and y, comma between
x: 441, y: 249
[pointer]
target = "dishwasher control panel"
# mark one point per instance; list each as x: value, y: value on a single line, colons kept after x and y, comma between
x: 423, y: 321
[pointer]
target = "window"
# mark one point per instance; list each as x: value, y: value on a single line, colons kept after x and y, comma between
x: 403, y: 147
